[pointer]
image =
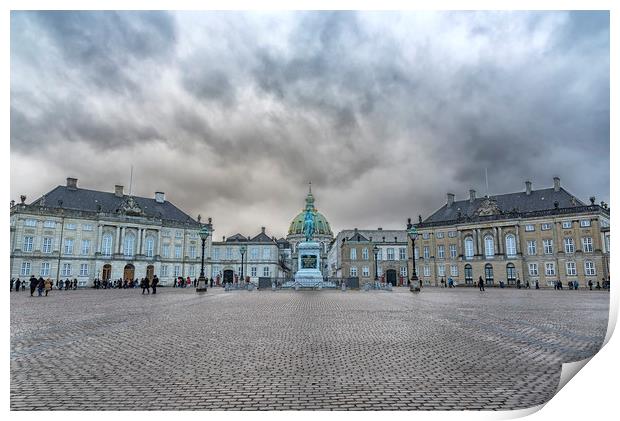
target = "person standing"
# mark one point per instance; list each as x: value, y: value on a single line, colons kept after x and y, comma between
x: 145, y: 286
x: 33, y: 285
x: 590, y: 284
x: 518, y: 283
x: 48, y: 286
x: 480, y: 283
x: 211, y: 283
x: 154, y: 283
x: 17, y: 285
x: 40, y: 286
x: 12, y: 283
x: 537, y: 286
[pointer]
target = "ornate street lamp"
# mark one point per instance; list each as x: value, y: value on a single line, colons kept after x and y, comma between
x: 204, y: 233
x: 242, y: 250
x: 375, y: 250
x: 413, y: 234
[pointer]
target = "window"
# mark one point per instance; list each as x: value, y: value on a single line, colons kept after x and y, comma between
x: 454, y: 270
x: 569, y: 245
x: 165, y: 250
x: 164, y: 270
x: 441, y: 251
x: 266, y: 253
x: 439, y: 234
x: 84, y: 269
x: 550, y: 269
x: 584, y: 223
x: 106, y: 245
x: 489, y: 246
x: 548, y: 246
x: 68, y: 246
x: 416, y: 253
x: 30, y: 222
x: 352, y: 271
x: 25, y: 270
x: 254, y: 253
x: 488, y: 272
x: 128, y: 247
x: 531, y: 247
x: 177, y: 251
x: 533, y: 268
x: 453, y: 251
x: 511, y: 273
x: 192, y: 252
x: 425, y: 235
x: 177, y: 271
x: 571, y: 269
x: 365, y: 272
x: 70, y: 226
x: 150, y: 246
x: 216, y: 253
x: 45, y: 269
x: 530, y: 227
x: 469, y: 247
x: 47, y: 245
x: 192, y: 271
x: 85, y: 247
x: 353, y: 254
x: 178, y: 234
x: 87, y: 227
x: 215, y: 270
x: 403, y: 271
x: 451, y: 234
x: 66, y: 269
x: 266, y: 271
x: 229, y: 253
x: 380, y: 254
x: 402, y: 253
x: 49, y: 224
x: 587, y: 244
x: 253, y: 270
x: 441, y: 270
x: 427, y: 270
x: 545, y: 227
x: 511, y: 245
x: 469, y: 275
x: 28, y: 243
x: 165, y: 233
x: 365, y: 253
x: 567, y: 224
x: 589, y: 268
x: 390, y: 253
x: 426, y: 252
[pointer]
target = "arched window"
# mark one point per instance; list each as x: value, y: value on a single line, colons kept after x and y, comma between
x: 488, y: 273
x: 469, y: 276
x: 511, y: 273
x: 489, y: 246
x: 106, y: 245
x: 129, y: 245
x: 149, y: 246
x: 511, y: 245
x: 469, y: 247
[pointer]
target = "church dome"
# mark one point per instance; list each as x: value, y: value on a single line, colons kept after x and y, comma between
x: 321, y: 226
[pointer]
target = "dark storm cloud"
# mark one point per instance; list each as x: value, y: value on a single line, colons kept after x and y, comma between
x: 232, y: 113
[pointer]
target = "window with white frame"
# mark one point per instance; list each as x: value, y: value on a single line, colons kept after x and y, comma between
x: 380, y: 254
x: 28, y: 242
x: 403, y: 271
x: 164, y: 270
x: 571, y: 269
x: 266, y: 272
x: 427, y: 253
x: 192, y: 252
x: 215, y: 270
x: 439, y: 234
x: 84, y: 269
x: 130, y: 243
x: 531, y: 247
x: 85, y: 247
x: 425, y: 235
x: 149, y: 246
x: 469, y: 247
x: 548, y: 246
x: 365, y: 253
x: 365, y: 272
x: 177, y: 251
x: 215, y: 253
x: 30, y: 222
x: 390, y: 253
x: 229, y: 253
x: 25, y: 269
x: 66, y: 269
x: 567, y: 224
x: 45, y: 268
x: 441, y: 270
x: 530, y: 227
x: 426, y: 269
x: 454, y: 270
x: 545, y: 227
x: 178, y: 234
x: 192, y: 270
x: 489, y: 246
x: 106, y: 245
x: 587, y: 244
x: 353, y: 254
x: 550, y: 269
x: 177, y: 271
x: 441, y: 251
x: 49, y: 224
x: 87, y: 227
x: 589, y: 268
x: 584, y: 223
x: 253, y: 271
x: 451, y: 234
x: 453, y: 251
x: 511, y: 245
x: 254, y: 253
x: 416, y: 253
x: 402, y: 253
x: 569, y: 245
x: 266, y: 253
x: 68, y: 246
x: 165, y: 250
x: 46, y: 246
x: 533, y: 268
x: 70, y: 226
x: 352, y: 271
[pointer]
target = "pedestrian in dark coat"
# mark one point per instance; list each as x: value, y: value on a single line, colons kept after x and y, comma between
x: 40, y: 286
x: 23, y: 285
x: 33, y: 285
x: 12, y: 283
x: 480, y: 283
x: 590, y: 284
x: 145, y: 286
x: 17, y: 284
x: 211, y: 282
x: 67, y: 284
x: 154, y: 283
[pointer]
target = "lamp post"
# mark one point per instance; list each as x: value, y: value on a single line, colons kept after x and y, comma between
x: 242, y: 250
x: 202, y: 282
x: 375, y: 250
x: 413, y: 234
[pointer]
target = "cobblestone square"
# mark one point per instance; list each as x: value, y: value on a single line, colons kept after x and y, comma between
x: 264, y: 350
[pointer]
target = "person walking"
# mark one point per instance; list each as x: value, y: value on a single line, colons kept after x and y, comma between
x: 480, y: 283
x: 67, y: 284
x: 518, y: 283
x: 154, y: 283
x: 33, y: 285
x: 537, y: 286
x: 12, y: 283
x: 590, y: 284
x: 48, y: 286
x: 145, y: 286
x: 17, y: 285
x: 40, y: 286
x: 211, y: 283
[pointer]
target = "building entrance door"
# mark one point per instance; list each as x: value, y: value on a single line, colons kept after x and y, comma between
x: 129, y: 272
x: 106, y: 273
x: 228, y: 276
x: 150, y: 271
x: 391, y: 277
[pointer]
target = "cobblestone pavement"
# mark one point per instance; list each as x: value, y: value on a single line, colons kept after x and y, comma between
x: 440, y: 349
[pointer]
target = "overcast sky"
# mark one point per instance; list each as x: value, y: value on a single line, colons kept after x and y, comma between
x: 231, y: 114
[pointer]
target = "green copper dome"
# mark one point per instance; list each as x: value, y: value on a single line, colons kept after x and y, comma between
x: 321, y: 226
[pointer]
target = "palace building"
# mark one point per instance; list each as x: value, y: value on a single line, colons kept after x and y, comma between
x: 535, y: 235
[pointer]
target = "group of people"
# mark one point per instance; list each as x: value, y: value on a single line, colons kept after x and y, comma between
x: 187, y: 282
x: 43, y: 285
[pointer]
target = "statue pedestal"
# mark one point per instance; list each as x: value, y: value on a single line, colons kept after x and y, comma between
x: 308, y: 273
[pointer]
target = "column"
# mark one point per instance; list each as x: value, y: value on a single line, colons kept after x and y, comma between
x: 99, y: 236
x: 120, y: 243
x: 459, y: 246
x: 479, y: 251
x: 158, y: 248
x: 142, y: 241
x: 500, y: 243
x: 497, y: 243
x: 118, y: 239
x: 518, y: 240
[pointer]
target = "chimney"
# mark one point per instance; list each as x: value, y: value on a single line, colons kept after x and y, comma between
x: 118, y: 190
x: 72, y: 183
x: 160, y: 196
x: 472, y: 195
x: 262, y: 230
x: 450, y: 199
x: 528, y: 187
x: 379, y: 229
x: 556, y: 183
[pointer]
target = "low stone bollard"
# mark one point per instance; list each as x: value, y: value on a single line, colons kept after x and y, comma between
x: 367, y: 287
x: 273, y: 286
x: 296, y: 287
x: 388, y: 287
x: 343, y: 287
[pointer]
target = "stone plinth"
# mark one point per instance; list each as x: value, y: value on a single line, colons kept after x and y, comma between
x: 309, y: 264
